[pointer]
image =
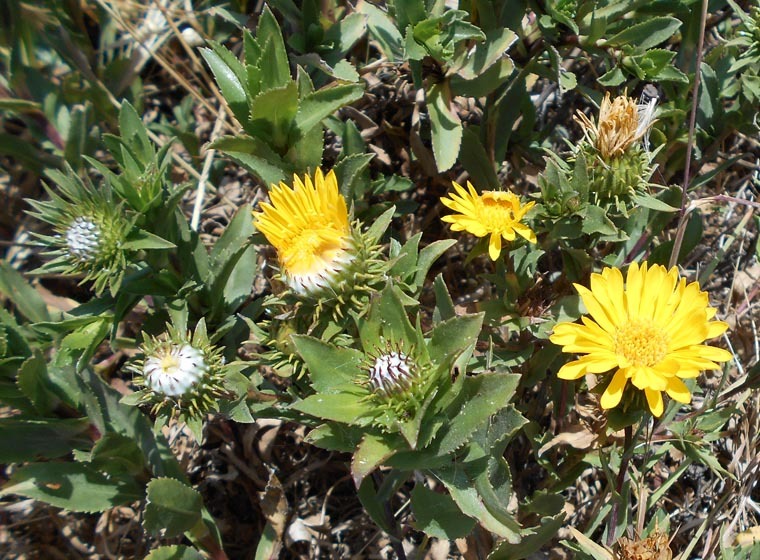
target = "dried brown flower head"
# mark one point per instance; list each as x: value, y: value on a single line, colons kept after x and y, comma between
x: 654, y: 547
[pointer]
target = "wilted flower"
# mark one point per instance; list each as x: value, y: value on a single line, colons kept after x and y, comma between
x: 621, y: 123
x: 308, y: 226
x: 495, y: 213
x: 649, y: 330
x: 654, y: 547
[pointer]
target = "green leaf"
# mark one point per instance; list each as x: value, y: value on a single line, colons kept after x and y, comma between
x: 114, y: 453
x: 453, y: 336
x: 145, y: 240
x: 372, y: 451
x: 471, y: 64
x: 480, y: 397
x: 476, y: 161
x: 34, y: 382
x: 71, y: 486
x: 428, y: 256
x: 446, y: 128
x: 444, y: 305
x: 319, y: 105
x: 645, y: 35
x: 380, y: 225
x: 171, y: 505
x: 612, y: 78
x: 596, y: 221
x: 274, y: 59
x: 233, y: 91
x: 648, y: 201
x: 438, y: 515
x: 335, y: 437
x: 26, y: 299
x: 174, y: 552
x: 272, y: 114
x: 382, y: 29
x: 531, y: 543
x: 463, y: 492
x: 85, y: 340
x: 29, y: 440
x: 329, y: 366
x: 255, y: 155
x: 340, y: 407
x: 351, y: 175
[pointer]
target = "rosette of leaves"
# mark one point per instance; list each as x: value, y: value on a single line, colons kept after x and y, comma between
x: 403, y: 400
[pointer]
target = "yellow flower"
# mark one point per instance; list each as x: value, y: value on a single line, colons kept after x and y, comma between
x: 493, y: 213
x: 308, y: 226
x: 621, y: 123
x: 650, y: 331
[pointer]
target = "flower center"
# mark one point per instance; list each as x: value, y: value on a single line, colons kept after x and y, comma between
x: 642, y: 343
x: 169, y: 363
x: 496, y: 211
x: 311, y: 250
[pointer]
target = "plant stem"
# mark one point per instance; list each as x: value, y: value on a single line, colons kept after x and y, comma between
x: 627, y: 452
x: 690, y: 142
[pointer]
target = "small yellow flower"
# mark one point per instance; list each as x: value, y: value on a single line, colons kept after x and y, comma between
x: 621, y: 123
x: 649, y: 331
x: 495, y: 213
x: 308, y: 226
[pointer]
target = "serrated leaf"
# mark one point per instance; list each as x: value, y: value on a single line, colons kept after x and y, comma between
x: 380, y: 225
x: 480, y: 397
x: 648, y: 201
x: 484, y: 55
x: 29, y: 440
x: 34, y: 382
x: 229, y: 84
x: 335, y: 437
x: 370, y: 454
x: 350, y: 172
x: 329, y: 366
x: 171, y: 506
x: 254, y: 155
x: 272, y: 114
x: 428, y: 256
x: 274, y: 59
x: 446, y: 128
x: 115, y: 453
x: 317, y: 106
x: 437, y: 515
x: 71, y: 486
x: 383, y: 30
x: 451, y: 337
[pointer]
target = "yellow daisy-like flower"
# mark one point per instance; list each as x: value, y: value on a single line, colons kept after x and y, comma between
x: 495, y: 213
x: 621, y: 123
x: 308, y: 226
x: 649, y: 330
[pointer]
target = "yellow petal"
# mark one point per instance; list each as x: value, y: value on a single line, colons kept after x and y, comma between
x: 494, y: 246
x: 678, y: 390
x: 572, y: 370
x: 655, y: 402
x: 614, y: 392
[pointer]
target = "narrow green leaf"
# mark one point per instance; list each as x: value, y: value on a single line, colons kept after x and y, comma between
x: 254, y: 155
x: 145, y: 240
x: 645, y: 35
x: 451, y: 337
x: 446, y: 127
x: 428, y: 256
x: 274, y: 60
x: 71, y: 486
x: 231, y: 88
x: 340, y: 407
x: 34, y: 382
x: 172, y: 506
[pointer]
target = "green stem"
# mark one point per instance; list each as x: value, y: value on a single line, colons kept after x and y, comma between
x: 627, y: 453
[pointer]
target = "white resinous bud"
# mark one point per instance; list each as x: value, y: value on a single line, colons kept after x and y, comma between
x: 391, y: 373
x: 173, y: 369
x: 83, y: 238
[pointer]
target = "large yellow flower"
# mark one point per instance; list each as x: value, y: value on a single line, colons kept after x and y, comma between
x: 308, y: 225
x: 494, y: 213
x: 621, y: 123
x: 649, y: 331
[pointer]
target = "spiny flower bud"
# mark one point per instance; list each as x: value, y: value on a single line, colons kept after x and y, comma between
x: 391, y: 373
x: 174, y: 369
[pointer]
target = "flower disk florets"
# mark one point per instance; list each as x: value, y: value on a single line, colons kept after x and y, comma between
x: 497, y: 214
